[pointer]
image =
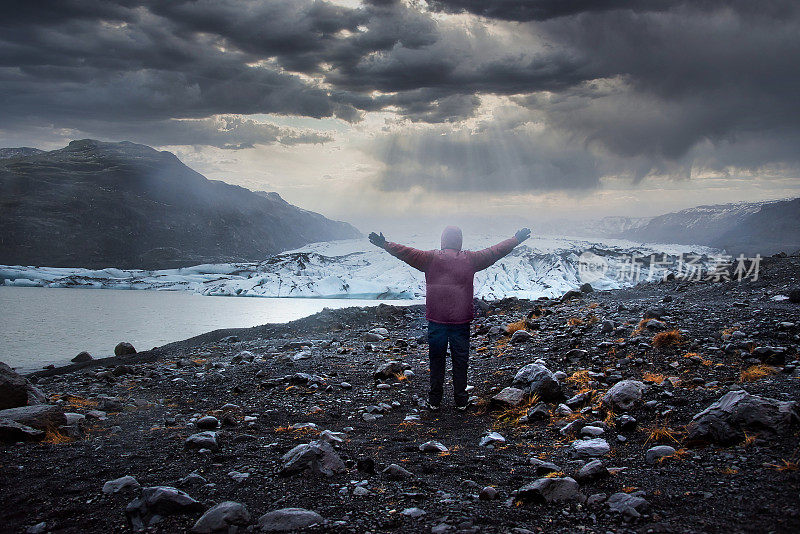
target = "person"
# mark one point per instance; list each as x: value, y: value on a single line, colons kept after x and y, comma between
x: 449, y: 275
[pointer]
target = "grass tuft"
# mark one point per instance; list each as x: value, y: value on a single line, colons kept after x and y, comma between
x: 756, y: 372
x: 665, y: 339
x: 54, y: 437
x: 513, y: 327
x: 653, y: 378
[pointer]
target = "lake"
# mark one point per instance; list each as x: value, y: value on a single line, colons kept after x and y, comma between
x: 41, y: 326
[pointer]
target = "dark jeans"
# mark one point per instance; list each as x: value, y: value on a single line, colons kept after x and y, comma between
x: 457, y: 335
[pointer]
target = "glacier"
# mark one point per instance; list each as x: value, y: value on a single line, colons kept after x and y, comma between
x: 540, y: 267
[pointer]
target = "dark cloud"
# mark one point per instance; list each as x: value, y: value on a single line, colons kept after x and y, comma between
x: 636, y: 87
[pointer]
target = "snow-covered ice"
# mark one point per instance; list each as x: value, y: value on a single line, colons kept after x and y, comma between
x: 542, y: 266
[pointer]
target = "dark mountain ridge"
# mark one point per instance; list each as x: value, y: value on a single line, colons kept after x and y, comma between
x: 96, y: 204
x: 746, y: 228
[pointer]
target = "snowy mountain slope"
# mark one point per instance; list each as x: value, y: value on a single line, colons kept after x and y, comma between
x: 354, y: 268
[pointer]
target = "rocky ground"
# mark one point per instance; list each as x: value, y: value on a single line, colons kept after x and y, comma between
x: 668, y: 407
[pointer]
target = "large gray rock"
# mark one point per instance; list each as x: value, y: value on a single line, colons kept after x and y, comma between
x: 556, y: 489
x: 317, y: 456
x: 123, y: 349
x: 158, y: 501
x: 288, y: 519
x: 16, y: 390
x: 39, y: 416
x: 521, y: 336
x: 725, y: 421
x: 629, y: 505
x: 11, y: 432
x: 508, y: 398
x: 224, y: 517
x: 538, y: 380
x: 202, y: 440
x: 624, y: 395
x: 589, y: 448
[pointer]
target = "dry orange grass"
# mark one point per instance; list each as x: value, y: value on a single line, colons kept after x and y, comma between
x: 54, y: 437
x: 511, y: 416
x: 749, y: 440
x: 513, y: 327
x: 787, y: 465
x: 665, y: 339
x: 580, y: 378
x: 662, y: 434
x: 79, y: 402
x: 574, y: 321
x: 756, y: 372
x: 555, y: 474
x: 653, y: 378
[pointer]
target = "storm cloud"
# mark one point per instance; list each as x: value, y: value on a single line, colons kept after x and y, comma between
x: 602, y: 87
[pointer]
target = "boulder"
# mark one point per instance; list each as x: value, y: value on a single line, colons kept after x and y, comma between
x: 121, y: 484
x: 224, y: 517
x: 654, y: 454
x: 794, y: 295
x: 288, y: 519
x: 123, y: 349
x: 16, y: 390
x: 508, y: 398
x: 537, y: 379
x: 158, y: 501
x: 82, y: 357
x: 656, y: 312
x: 316, y: 456
x: 39, y: 416
x: 624, y: 395
x: 725, y: 421
x: 11, y: 432
x: 556, y: 489
x: 629, y: 505
x: 202, y: 440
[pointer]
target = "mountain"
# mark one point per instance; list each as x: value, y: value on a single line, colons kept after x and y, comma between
x: 95, y: 204
x: 22, y: 151
x: 774, y: 228
x: 746, y: 227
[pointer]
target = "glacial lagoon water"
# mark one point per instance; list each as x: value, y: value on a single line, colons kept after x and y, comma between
x: 41, y: 326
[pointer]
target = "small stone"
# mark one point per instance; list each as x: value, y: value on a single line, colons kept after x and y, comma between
x: 589, y: 448
x: 556, y: 489
x: 413, y: 512
x: 224, y: 517
x: 288, y: 519
x: 592, y: 470
x: 488, y: 494
x: 397, y: 472
x: 202, y: 440
x: 208, y: 422
x: 492, y: 438
x: 121, y: 484
x: 432, y: 446
x: 654, y: 454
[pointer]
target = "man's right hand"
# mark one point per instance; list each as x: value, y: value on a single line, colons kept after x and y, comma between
x: 523, y: 234
x: 377, y: 240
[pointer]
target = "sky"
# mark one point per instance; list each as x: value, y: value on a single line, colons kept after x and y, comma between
x: 385, y: 112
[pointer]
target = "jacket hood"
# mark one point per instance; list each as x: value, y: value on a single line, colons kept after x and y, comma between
x: 451, y: 238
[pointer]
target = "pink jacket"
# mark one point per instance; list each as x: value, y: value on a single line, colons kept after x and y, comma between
x: 449, y: 274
